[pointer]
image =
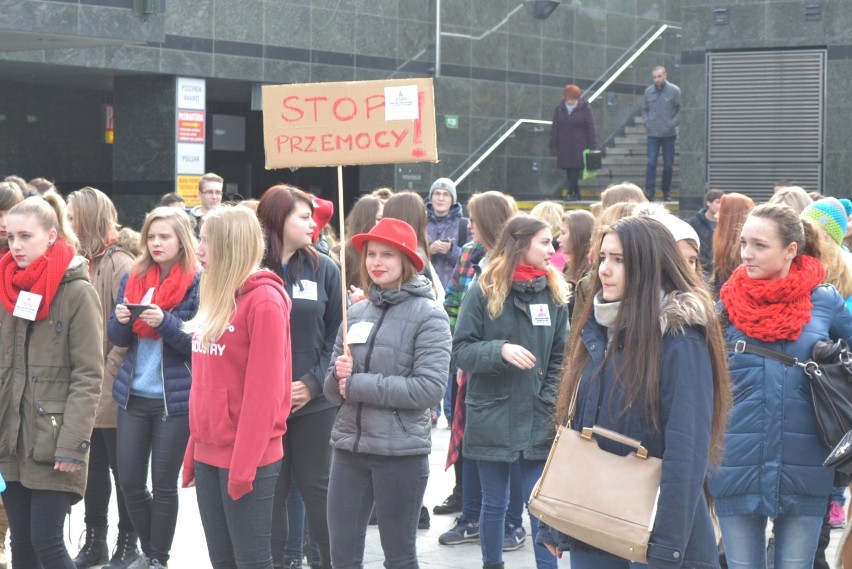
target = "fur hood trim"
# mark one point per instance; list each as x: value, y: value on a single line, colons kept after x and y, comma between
x: 681, y: 310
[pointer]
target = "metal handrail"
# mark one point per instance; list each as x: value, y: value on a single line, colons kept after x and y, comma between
x: 646, y: 42
x: 494, y: 146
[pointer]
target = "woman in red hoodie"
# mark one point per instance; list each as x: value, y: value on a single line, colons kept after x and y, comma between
x: 240, y: 397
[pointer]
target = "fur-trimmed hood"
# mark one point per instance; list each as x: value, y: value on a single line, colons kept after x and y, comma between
x: 680, y: 310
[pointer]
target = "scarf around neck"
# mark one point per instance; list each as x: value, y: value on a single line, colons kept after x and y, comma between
x: 606, y: 312
x: 41, y: 277
x: 167, y: 294
x: 772, y: 310
x: 527, y: 273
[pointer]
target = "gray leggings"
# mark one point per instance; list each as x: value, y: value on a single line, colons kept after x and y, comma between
x: 397, y: 483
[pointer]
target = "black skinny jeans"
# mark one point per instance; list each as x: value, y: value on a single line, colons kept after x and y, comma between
x: 36, y: 519
x: 146, y: 432
x: 306, y: 456
x: 102, y: 460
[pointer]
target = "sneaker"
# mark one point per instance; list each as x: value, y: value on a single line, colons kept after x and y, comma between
x: 514, y: 537
x: 462, y: 532
x: 836, y: 515
x: 452, y: 505
x: 423, y: 522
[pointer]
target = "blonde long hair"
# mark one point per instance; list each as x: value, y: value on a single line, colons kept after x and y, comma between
x: 49, y: 211
x: 95, y: 220
x: 513, y: 242
x: 179, y: 221
x: 234, y: 239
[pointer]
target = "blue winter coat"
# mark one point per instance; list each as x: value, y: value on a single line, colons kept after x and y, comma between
x: 773, y: 455
x: 683, y: 533
x: 177, y: 351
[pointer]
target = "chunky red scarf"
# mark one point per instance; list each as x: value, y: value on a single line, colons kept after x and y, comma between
x: 527, y: 272
x: 773, y: 310
x: 41, y: 277
x: 167, y: 294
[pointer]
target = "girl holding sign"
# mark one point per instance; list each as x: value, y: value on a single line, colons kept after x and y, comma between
x: 394, y: 370
x: 152, y: 387
x: 509, y: 337
x: 50, y: 337
x: 312, y: 281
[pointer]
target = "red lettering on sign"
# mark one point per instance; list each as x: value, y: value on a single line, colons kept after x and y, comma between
x: 418, y: 127
x: 372, y: 107
x: 315, y: 100
x: 336, y: 109
x: 298, y: 111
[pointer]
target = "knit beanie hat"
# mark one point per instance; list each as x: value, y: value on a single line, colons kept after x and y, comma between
x: 830, y: 215
x: 680, y: 230
x: 444, y: 184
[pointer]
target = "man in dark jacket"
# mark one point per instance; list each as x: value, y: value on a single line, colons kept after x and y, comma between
x: 661, y: 116
x: 572, y: 132
x: 704, y: 223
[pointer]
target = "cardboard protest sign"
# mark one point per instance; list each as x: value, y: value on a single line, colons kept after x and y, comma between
x: 349, y: 123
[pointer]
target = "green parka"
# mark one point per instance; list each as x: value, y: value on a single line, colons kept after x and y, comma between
x: 509, y: 411
x: 50, y: 382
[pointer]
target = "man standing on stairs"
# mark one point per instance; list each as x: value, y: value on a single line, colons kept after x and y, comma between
x: 661, y: 116
x: 572, y: 132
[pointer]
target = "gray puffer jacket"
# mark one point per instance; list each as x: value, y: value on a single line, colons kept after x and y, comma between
x: 400, y: 343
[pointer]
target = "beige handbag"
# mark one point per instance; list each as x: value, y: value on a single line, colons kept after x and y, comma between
x: 597, y: 497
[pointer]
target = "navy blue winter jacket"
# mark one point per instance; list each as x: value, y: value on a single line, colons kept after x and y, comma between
x: 773, y: 455
x: 683, y: 533
x: 177, y: 351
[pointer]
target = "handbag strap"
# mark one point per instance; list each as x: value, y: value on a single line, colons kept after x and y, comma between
x: 743, y: 347
x: 572, y: 405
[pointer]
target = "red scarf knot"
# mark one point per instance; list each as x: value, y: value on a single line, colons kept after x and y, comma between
x: 527, y: 273
x: 167, y: 294
x: 772, y: 310
x: 41, y: 277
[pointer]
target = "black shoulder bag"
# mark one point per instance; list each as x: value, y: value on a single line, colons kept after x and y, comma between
x: 829, y: 372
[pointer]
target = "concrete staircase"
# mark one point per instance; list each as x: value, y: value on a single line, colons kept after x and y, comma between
x: 624, y: 160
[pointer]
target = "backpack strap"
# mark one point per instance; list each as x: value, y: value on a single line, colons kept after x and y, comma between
x: 743, y: 347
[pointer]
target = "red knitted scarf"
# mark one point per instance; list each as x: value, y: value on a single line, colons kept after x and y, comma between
x: 167, y: 294
x: 773, y: 310
x: 41, y: 277
x: 526, y: 273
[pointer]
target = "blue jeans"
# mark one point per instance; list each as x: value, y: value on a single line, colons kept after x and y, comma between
x: 472, y: 494
x: 796, y: 540
x: 495, y: 478
x: 296, y: 527
x: 654, y: 144
x: 238, y: 532
x: 583, y: 560
x: 838, y: 494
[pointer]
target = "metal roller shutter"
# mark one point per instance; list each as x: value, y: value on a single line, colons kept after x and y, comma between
x: 765, y: 120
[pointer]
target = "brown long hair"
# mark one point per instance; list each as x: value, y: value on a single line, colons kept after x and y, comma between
x: 410, y: 208
x: 652, y: 263
x: 733, y: 211
x: 580, y: 224
x: 489, y: 212
x: 361, y: 218
x: 275, y: 206
x: 513, y: 243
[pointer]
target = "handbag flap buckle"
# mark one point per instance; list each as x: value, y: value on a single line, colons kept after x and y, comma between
x: 587, y: 433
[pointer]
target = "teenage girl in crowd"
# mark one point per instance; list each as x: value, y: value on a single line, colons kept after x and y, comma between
x: 95, y: 221
x: 656, y: 372
x: 240, y: 396
x: 576, y: 241
x: 410, y: 208
x: 733, y: 211
x: 552, y: 213
x: 152, y: 387
x: 10, y: 195
x: 312, y: 281
x: 366, y: 212
x: 49, y: 389
x: 488, y: 212
x: 393, y: 371
x: 772, y: 466
x: 510, y: 337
